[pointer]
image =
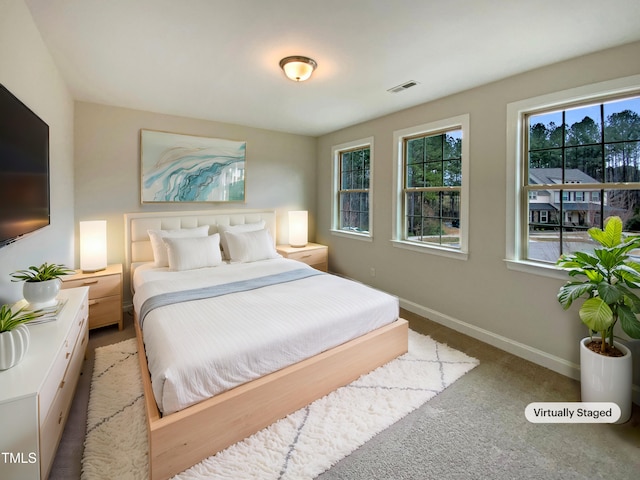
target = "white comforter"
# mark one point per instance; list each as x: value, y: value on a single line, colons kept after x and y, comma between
x: 200, y: 348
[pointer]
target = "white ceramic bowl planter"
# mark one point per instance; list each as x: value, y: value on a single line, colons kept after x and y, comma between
x: 13, y: 346
x: 606, y: 379
x: 41, y: 294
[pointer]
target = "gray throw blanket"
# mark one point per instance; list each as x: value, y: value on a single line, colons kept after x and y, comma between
x: 169, y: 298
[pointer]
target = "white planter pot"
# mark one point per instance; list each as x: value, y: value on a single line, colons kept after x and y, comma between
x: 41, y: 294
x: 13, y: 346
x: 606, y: 379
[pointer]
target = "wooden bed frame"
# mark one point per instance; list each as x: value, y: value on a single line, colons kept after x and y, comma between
x: 182, y: 439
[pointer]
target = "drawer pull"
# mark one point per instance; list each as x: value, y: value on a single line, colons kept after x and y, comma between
x: 61, y: 384
x: 305, y: 256
x: 68, y: 355
x: 90, y: 282
x: 60, y: 419
x: 93, y: 302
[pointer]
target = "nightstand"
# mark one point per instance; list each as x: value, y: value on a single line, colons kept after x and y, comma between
x: 312, y: 254
x: 105, y: 294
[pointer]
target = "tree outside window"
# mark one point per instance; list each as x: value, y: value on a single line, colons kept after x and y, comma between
x: 584, y: 164
x: 432, y: 186
x: 354, y: 190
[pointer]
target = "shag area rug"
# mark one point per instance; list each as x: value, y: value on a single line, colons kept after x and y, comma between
x: 298, y: 447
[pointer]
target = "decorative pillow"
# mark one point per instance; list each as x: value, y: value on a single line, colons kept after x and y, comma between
x: 244, y: 227
x: 251, y: 246
x: 160, y: 258
x: 193, y: 252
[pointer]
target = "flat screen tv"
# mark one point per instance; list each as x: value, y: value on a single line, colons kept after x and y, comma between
x: 24, y: 169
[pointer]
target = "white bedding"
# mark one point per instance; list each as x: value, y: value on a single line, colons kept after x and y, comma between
x: 200, y: 348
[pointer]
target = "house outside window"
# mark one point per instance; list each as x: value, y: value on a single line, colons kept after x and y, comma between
x: 352, y: 169
x: 431, y: 196
x: 582, y: 157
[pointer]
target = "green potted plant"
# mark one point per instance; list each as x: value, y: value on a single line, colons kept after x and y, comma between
x: 607, y: 278
x: 14, y: 335
x: 41, y: 284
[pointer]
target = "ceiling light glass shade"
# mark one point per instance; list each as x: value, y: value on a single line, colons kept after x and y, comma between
x: 298, y: 68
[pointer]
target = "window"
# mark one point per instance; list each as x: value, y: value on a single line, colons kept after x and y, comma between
x: 431, y: 187
x: 352, y: 188
x: 582, y: 153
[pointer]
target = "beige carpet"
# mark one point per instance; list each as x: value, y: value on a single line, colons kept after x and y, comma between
x: 300, y: 446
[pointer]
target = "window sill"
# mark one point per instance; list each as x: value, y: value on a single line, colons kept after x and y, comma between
x: 430, y: 249
x: 365, y: 237
x: 550, y: 271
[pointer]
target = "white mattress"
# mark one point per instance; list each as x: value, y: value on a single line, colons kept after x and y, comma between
x: 200, y: 348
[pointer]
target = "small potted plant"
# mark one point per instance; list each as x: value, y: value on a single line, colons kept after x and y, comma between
x: 14, y: 335
x: 41, y: 284
x: 607, y: 277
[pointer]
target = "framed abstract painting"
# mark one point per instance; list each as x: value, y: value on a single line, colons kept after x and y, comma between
x: 186, y: 168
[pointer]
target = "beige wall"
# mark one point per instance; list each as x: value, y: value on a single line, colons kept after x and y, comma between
x: 280, y: 169
x: 481, y: 297
x: 27, y: 70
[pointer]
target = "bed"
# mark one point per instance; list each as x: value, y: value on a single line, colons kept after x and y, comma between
x: 278, y: 333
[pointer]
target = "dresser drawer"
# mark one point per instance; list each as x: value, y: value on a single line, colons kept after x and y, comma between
x: 310, y: 257
x: 59, y: 366
x: 103, y: 286
x: 105, y: 311
x: 53, y: 424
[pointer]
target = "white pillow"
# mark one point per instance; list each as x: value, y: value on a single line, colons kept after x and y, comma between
x: 244, y: 227
x: 251, y: 246
x: 193, y: 252
x: 160, y: 258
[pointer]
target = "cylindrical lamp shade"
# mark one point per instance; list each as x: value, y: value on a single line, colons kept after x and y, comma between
x: 93, y: 245
x: 298, y: 228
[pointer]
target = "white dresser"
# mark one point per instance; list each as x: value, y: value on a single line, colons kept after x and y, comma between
x: 36, y: 394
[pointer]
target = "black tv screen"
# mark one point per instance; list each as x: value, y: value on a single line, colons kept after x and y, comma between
x: 24, y: 169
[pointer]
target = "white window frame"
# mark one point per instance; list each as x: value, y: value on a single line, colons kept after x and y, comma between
x: 516, y: 126
x: 336, y: 150
x: 397, y: 240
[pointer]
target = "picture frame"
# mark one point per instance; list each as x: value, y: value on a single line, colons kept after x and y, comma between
x: 186, y: 168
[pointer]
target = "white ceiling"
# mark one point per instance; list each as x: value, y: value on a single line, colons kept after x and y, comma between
x: 218, y: 60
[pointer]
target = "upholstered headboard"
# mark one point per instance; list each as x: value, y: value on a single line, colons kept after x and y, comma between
x: 137, y: 243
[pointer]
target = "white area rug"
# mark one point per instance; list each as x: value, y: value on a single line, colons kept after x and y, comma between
x: 298, y: 447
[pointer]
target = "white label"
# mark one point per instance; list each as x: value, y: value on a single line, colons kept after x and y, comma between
x: 572, y: 412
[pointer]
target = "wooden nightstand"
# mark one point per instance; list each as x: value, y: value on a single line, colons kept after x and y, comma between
x: 105, y: 294
x: 312, y: 254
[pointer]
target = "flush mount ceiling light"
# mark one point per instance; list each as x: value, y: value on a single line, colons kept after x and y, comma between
x: 298, y: 68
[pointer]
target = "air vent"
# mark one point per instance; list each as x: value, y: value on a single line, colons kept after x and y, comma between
x: 403, y: 87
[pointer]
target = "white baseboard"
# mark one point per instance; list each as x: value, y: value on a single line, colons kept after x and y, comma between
x: 544, y: 359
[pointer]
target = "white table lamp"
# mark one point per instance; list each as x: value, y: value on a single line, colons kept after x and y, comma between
x: 298, y: 228
x: 93, y: 245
